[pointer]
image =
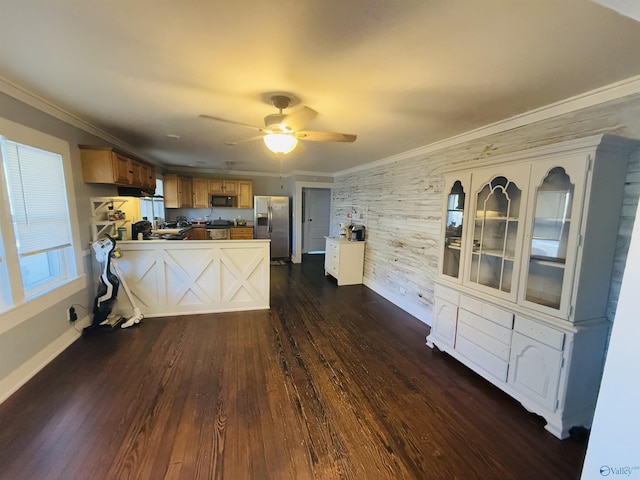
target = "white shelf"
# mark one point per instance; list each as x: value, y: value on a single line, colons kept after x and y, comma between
x: 100, y: 208
x: 494, y: 253
x: 548, y: 263
x: 480, y: 219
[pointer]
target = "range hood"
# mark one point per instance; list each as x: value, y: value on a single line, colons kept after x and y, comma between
x: 135, y: 192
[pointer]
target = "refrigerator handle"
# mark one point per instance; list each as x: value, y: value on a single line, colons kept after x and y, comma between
x: 270, y: 213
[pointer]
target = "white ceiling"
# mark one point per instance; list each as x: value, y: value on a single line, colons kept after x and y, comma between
x: 400, y: 74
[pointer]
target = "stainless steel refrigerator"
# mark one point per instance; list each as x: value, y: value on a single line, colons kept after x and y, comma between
x: 271, y: 220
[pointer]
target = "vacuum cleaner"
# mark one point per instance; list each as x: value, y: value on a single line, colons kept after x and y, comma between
x: 103, y: 320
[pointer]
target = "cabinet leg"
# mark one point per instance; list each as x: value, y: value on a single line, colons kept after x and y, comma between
x: 429, y: 342
x: 558, y: 430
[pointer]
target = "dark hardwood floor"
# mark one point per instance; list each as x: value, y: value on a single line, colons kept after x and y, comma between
x: 331, y: 383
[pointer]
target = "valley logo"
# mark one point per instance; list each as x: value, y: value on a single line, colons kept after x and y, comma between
x: 606, y: 470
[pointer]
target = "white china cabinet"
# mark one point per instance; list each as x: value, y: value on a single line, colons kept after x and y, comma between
x: 525, y: 267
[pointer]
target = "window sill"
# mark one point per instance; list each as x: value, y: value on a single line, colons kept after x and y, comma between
x: 22, y: 312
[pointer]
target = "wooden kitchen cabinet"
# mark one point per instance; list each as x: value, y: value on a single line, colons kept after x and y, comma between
x: 177, y: 191
x: 197, y: 233
x: 201, y: 188
x: 219, y: 186
x: 344, y: 260
x: 200, y: 192
x: 241, y: 233
x: 148, y: 177
x: 245, y: 194
x: 109, y: 166
x: 526, y: 260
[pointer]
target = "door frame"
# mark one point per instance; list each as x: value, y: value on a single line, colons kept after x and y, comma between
x: 296, y: 254
x: 306, y: 225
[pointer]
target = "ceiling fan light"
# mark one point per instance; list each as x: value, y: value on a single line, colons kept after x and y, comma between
x: 280, y: 142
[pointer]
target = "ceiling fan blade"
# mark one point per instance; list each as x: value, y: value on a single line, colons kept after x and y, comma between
x: 232, y: 122
x: 298, y: 119
x: 250, y: 139
x: 326, y: 136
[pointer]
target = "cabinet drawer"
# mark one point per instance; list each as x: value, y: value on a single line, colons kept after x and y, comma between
x: 482, y: 358
x: 483, y: 341
x: 493, y: 330
x: 485, y: 310
x: 541, y: 333
x: 332, y: 247
x: 446, y: 293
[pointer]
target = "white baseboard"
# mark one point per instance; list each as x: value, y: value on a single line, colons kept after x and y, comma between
x: 400, y: 301
x: 10, y: 384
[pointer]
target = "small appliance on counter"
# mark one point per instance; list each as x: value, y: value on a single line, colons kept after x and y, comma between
x: 181, y: 221
x: 141, y: 230
x: 219, y: 223
x: 344, y: 229
x: 357, y: 233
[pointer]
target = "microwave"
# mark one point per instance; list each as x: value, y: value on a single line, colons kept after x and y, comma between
x: 223, y: 201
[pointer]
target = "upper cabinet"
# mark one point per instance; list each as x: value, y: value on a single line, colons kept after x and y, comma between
x: 538, y: 231
x: 187, y: 192
x: 223, y: 187
x: 200, y: 187
x: 178, y: 191
x: 110, y: 166
x: 245, y: 194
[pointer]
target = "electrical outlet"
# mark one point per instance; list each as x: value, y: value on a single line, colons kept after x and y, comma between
x: 72, y: 316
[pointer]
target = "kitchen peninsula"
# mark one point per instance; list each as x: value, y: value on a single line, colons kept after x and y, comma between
x: 197, y: 276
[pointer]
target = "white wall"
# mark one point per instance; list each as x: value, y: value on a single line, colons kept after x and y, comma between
x: 402, y: 198
x: 31, y: 337
x: 614, y: 447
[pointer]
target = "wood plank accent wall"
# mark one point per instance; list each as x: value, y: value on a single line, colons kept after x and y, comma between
x: 400, y: 203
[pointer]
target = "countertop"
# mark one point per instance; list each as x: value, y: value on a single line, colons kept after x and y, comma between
x: 222, y: 226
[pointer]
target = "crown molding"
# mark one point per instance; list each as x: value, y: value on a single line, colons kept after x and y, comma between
x: 614, y: 91
x: 45, y: 106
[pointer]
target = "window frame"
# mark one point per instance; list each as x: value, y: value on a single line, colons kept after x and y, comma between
x: 16, y: 306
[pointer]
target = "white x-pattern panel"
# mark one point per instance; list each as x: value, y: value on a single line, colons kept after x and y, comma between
x: 176, y: 278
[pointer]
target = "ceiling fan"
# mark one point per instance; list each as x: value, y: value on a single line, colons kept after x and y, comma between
x: 283, y: 130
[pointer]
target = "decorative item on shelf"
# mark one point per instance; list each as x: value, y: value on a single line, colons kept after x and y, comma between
x: 344, y: 230
x: 116, y: 215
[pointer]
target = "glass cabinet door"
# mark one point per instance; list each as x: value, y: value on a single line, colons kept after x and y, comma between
x: 495, y: 235
x: 454, y: 217
x: 549, y: 236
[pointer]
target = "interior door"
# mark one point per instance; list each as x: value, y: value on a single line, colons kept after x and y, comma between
x: 316, y: 215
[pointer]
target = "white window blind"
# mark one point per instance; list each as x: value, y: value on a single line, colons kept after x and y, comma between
x: 38, y: 198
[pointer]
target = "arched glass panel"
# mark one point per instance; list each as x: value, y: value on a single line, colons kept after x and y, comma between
x: 549, y: 238
x: 494, y: 235
x: 453, y: 232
